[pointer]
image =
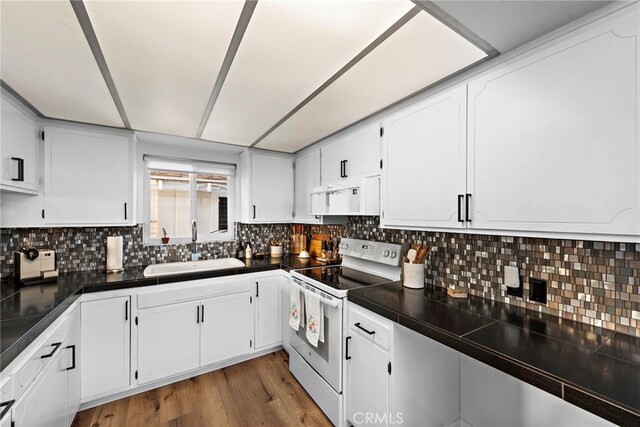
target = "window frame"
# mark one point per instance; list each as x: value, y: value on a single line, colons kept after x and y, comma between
x: 192, y: 168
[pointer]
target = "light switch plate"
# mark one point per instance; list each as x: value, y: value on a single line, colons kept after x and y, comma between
x: 511, y: 277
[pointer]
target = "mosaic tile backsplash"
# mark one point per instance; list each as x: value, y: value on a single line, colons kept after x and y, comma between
x: 588, y: 281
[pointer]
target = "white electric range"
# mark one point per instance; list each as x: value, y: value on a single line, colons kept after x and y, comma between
x: 319, y: 369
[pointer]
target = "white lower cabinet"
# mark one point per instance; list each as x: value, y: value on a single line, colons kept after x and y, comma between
x: 106, y: 345
x: 168, y: 340
x: 213, y: 323
x: 52, y: 399
x: 226, y: 328
x: 395, y: 376
x: 45, y: 402
x: 368, y: 368
x: 367, y: 382
x: 490, y: 398
x: 268, y: 317
x: 425, y: 385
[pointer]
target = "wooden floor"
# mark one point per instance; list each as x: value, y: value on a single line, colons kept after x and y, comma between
x: 259, y: 392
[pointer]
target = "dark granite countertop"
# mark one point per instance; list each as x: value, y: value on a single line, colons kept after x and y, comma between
x: 25, y: 312
x: 591, y: 367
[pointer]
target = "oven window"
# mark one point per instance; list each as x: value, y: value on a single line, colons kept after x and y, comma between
x: 323, y: 347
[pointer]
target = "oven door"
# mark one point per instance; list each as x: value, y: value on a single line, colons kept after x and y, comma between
x: 325, y: 359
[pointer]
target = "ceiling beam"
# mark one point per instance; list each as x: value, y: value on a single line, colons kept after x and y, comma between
x: 238, y: 34
x: 451, y: 22
x: 364, y: 52
x: 87, y: 28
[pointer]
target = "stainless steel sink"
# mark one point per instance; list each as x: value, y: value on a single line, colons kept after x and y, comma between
x: 170, y: 268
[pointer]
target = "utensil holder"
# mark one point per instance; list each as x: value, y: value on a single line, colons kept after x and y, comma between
x: 298, y: 243
x: 276, y: 251
x: 413, y: 275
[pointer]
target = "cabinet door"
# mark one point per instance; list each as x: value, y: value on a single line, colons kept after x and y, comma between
x: 553, y: 142
x: 363, y: 152
x: 424, y: 149
x: 88, y: 177
x: 332, y: 156
x: 72, y: 348
x: 168, y: 340
x: 106, y: 332
x: 20, y: 150
x: 355, y: 155
x: 367, y: 382
x: 307, y: 176
x: 227, y: 328
x: 267, y: 315
x: 45, y: 402
x: 271, y: 188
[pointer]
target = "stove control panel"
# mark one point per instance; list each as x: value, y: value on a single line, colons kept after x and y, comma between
x: 380, y: 252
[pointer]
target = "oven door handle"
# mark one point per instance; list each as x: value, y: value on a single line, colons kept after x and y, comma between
x: 334, y: 302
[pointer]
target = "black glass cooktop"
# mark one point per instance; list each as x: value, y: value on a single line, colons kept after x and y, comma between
x: 339, y: 277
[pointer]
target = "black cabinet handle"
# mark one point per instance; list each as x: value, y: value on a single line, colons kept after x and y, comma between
x: 126, y: 310
x: 346, y: 350
x: 357, y: 325
x: 341, y: 168
x: 468, y: 203
x: 460, y: 197
x: 125, y: 210
x: 254, y: 211
x: 55, y: 346
x: 202, y: 320
x: 73, y: 357
x: 198, y: 314
x: 20, y: 169
x: 257, y: 289
x: 6, y: 407
x: 345, y: 169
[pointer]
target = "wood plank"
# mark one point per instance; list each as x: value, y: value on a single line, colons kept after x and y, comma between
x: 260, y: 391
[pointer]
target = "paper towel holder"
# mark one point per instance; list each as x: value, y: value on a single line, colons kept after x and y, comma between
x: 119, y: 268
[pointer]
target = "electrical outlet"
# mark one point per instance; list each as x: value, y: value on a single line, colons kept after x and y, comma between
x: 516, y: 292
x: 538, y: 290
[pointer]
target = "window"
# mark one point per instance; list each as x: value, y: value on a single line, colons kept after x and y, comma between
x: 179, y: 192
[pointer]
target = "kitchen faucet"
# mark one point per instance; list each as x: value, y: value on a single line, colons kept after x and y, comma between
x: 195, y: 256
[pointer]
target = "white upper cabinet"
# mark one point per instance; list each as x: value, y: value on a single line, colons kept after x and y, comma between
x: 424, y: 163
x: 266, y: 187
x: 88, y: 176
x: 20, y: 148
x: 307, y: 176
x: 354, y: 155
x: 553, y: 136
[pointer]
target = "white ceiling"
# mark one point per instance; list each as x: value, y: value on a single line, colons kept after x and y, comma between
x: 288, y: 51
x: 46, y: 59
x: 165, y: 57
x: 420, y: 53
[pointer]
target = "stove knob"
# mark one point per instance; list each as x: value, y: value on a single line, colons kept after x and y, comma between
x: 344, y: 246
x: 386, y: 253
x: 394, y: 254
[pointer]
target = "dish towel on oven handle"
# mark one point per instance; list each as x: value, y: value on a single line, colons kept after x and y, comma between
x: 296, y: 307
x: 314, y: 311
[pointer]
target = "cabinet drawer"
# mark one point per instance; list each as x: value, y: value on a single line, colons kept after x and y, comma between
x: 370, y: 326
x: 38, y: 360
